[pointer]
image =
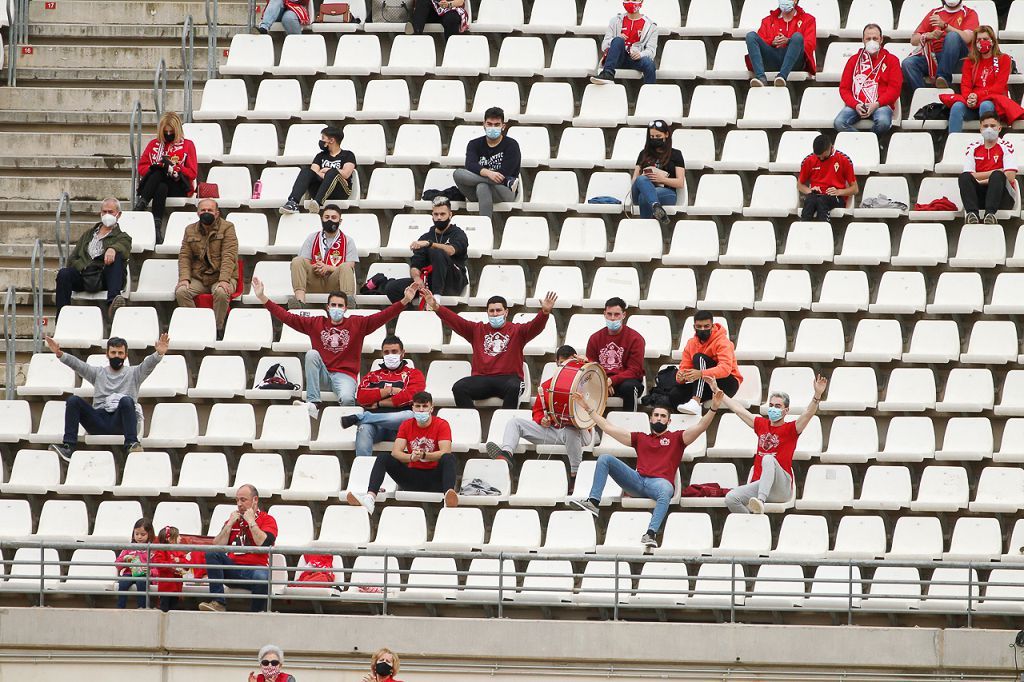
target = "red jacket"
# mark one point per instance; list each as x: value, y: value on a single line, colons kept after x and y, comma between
x: 410, y: 379
x: 495, y: 351
x: 802, y: 22
x: 888, y: 76
x: 182, y: 155
x: 718, y: 347
x: 161, y: 556
x: 989, y: 84
x: 621, y: 355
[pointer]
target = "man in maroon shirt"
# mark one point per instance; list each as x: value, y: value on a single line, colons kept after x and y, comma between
x: 497, y: 350
x: 620, y: 351
x: 246, y: 527
x: 337, y: 342
x: 826, y: 180
x: 771, y: 479
x: 658, y: 455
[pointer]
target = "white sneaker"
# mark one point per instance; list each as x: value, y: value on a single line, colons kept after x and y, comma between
x: 755, y: 505
x: 690, y: 407
x: 368, y: 501
x: 314, y: 413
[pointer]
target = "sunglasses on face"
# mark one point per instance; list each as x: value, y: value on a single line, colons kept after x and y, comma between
x: 269, y: 662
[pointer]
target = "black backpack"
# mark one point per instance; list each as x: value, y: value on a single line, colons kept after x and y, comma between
x: 276, y: 380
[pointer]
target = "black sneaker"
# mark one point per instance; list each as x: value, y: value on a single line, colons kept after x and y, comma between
x: 587, y: 505
x: 971, y: 218
x: 64, y: 451
x: 140, y: 205
x: 990, y: 219
x: 649, y: 540
x: 495, y: 451
x: 603, y: 78
x: 660, y: 215
x: 263, y: 29
x: 289, y: 208
x: 349, y: 420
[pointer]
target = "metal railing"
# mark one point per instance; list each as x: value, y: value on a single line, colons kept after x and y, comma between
x: 211, y: 39
x: 188, y: 56
x: 251, y: 20
x: 615, y: 586
x: 38, y: 271
x: 160, y: 87
x: 17, y: 35
x: 135, y: 144
x: 10, y: 335
x: 63, y: 237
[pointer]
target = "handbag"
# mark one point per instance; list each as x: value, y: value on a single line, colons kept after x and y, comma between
x: 935, y: 111
x: 92, y: 276
x: 207, y: 190
x: 334, y: 12
x: 394, y: 11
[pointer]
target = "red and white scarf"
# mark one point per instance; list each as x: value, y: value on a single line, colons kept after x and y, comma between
x: 865, y: 78
x: 333, y: 255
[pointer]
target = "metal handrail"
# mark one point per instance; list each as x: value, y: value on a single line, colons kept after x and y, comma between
x: 135, y: 144
x: 63, y: 239
x: 10, y: 320
x: 37, y: 272
x: 160, y: 87
x: 17, y: 13
x: 252, y: 15
x: 188, y: 56
x: 211, y: 38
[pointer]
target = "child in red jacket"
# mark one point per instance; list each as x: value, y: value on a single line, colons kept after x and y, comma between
x: 167, y: 561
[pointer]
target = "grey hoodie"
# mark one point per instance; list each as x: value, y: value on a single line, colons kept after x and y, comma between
x: 648, y: 43
x: 107, y: 381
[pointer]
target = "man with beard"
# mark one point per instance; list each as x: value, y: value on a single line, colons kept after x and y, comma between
x: 326, y: 260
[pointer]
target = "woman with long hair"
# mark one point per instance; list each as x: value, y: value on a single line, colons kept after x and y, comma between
x: 659, y: 172
x: 168, y: 167
x: 983, y: 84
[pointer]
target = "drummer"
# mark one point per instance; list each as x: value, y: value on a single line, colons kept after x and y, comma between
x: 546, y: 428
x: 658, y: 455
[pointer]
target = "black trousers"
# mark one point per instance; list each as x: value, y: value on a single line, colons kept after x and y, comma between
x: 440, y: 479
x: 991, y: 196
x: 331, y: 186
x: 424, y: 13
x: 168, y: 603
x: 504, y: 386
x: 818, y: 206
x: 70, y: 280
x: 155, y: 187
x: 445, y: 279
x: 629, y: 390
x: 699, y: 389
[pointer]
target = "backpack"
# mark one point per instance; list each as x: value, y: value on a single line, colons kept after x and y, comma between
x: 276, y: 380
x: 936, y: 111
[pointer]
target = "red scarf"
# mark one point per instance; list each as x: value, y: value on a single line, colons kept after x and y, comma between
x: 865, y: 78
x: 335, y: 255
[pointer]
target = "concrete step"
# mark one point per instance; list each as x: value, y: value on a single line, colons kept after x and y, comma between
x: 78, y: 188
x: 84, y: 99
x: 95, y: 13
x: 14, y: 250
x: 100, y: 79
x: 99, y: 58
x: 21, y: 278
x: 22, y: 233
x: 163, y: 33
x: 44, y: 208
x: 101, y: 163
x: 62, y: 142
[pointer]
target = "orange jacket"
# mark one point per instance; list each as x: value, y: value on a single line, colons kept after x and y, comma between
x: 718, y: 347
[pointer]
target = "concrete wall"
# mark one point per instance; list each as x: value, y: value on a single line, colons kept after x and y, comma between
x: 197, y: 646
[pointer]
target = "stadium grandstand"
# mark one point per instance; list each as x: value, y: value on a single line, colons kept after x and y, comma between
x: 519, y: 339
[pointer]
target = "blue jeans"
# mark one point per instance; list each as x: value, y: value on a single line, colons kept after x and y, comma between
x: 275, y: 11
x: 125, y: 584
x: 100, y: 422
x: 781, y: 59
x: 848, y: 118
x: 915, y: 67
x: 618, y: 58
x: 377, y: 426
x: 342, y: 384
x: 232, y: 571
x: 960, y: 112
x: 646, y: 194
x: 651, y: 487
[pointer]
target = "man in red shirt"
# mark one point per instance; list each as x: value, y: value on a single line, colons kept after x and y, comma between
x: 620, y: 351
x: 248, y: 526
x: 870, y: 86
x: 942, y: 40
x: 545, y: 428
x: 990, y: 173
x: 785, y: 41
x: 658, y: 455
x: 826, y: 179
x: 497, y: 350
x: 420, y: 460
x: 771, y: 479
x: 337, y: 342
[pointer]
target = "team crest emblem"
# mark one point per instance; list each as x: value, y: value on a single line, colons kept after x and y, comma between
x: 335, y: 339
x: 664, y: 441
x: 768, y: 442
x: 495, y: 343
x: 610, y: 357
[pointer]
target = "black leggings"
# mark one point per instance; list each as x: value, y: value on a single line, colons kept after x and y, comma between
x: 504, y: 386
x: 682, y: 393
x: 156, y: 186
x: 425, y: 13
x: 331, y: 186
x: 991, y: 196
x: 440, y: 479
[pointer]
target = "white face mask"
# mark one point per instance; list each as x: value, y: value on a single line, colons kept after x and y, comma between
x: 952, y: 4
x: 787, y: 6
x: 989, y: 134
x: 108, y: 219
x: 392, y: 360
x: 872, y: 47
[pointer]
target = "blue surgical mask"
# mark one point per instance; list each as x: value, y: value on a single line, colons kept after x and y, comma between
x: 786, y: 6
x: 337, y: 314
x: 613, y: 325
x: 774, y: 414
x: 492, y: 133
x: 496, y: 321
x: 421, y: 417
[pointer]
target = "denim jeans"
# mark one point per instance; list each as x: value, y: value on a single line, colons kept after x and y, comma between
x: 915, y: 67
x: 646, y: 194
x: 377, y: 426
x: 618, y: 58
x: 960, y: 112
x: 100, y: 422
x: 657, y: 489
x: 232, y: 571
x: 342, y: 384
x: 124, y: 584
x: 275, y: 11
x: 781, y: 59
x: 846, y: 121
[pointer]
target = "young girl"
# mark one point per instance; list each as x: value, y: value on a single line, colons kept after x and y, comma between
x: 659, y: 172
x: 131, y: 564
x: 167, y: 589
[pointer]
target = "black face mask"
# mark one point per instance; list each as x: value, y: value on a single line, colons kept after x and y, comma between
x: 703, y: 335
x: 169, y: 137
x: 383, y: 669
x: 330, y: 226
x: 656, y: 142
x: 323, y: 146
x: 207, y: 218
x: 658, y: 427
x: 442, y: 225
x: 116, y: 363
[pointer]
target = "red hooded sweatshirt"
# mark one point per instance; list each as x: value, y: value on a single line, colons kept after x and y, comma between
x: 802, y: 22
x: 405, y: 376
x: 621, y: 355
x: 718, y: 347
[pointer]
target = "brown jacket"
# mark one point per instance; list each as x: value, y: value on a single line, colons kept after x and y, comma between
x: 210, y: 257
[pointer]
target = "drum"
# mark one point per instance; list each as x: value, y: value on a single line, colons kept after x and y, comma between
x: 576, y: 376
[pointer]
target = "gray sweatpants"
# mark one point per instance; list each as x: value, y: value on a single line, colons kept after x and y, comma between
x: 774, y: 485
x: 478, y: 188
x: 571, y: 437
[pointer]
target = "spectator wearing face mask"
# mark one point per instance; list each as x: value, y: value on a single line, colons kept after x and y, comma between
x: 421, y: 458
x: 271, y: 661
x: 326, y: 260
x: 439, y: 256
x: 659, y: 173
x: 630, y: 42
x: 337, y: 342
x: 492, y: 165
x: 658, y: 455
x: 771, y: 479
x: 383, y: 667
x: 385, y: 395
x: 942, y: 40
x: 785, y: 42
x: 328, y: 177
x: 99, y: 261
x: 826, y: 180
x: 208, y: 262
x: 989, y: 180
x: 870, y: 86
x: 168, y: 167
x: 619, y: 350
x: 984, y: 85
